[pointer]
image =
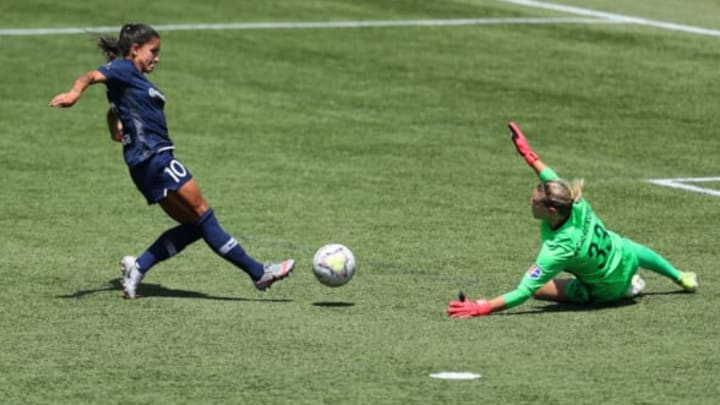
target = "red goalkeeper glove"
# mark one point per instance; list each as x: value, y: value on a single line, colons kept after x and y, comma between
x: 521, y: 144
x: 468, y: 308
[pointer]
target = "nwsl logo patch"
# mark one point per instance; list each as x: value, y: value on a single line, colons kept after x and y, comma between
x: 534, y: 273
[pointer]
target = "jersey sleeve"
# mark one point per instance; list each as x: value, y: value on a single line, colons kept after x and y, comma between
x: 116, y: 73
x: 552, y: 259
x: 548, y: 174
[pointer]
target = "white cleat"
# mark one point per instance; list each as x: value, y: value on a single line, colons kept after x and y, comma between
x: 637, y: 286
x: 274, y: 272
x: 131, y: 276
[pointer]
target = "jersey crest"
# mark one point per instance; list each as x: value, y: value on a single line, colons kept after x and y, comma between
x: 534, y: 272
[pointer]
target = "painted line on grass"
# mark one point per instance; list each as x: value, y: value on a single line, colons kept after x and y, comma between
x: 682, y: 184
x: 594, y: 17
x: 309, y: 25
x: 456, y: 375
x: 618, y: 18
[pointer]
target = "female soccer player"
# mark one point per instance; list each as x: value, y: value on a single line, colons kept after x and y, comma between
x: 136, y: 118
x: 574, y: 240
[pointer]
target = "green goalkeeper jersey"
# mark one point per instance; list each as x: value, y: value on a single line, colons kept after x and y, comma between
x: 580, y: 246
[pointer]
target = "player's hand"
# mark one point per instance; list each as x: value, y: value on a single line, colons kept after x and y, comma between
x: 468, y: 308
x: 521, y: 144
x: 65, y: 99
x: 117, y: 137
x: 115, y: 126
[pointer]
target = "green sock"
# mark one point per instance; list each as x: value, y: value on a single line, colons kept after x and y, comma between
x: 648, y: 259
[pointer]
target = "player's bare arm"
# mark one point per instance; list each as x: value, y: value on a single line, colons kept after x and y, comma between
x: 69, y: 98
x: 114, y: 125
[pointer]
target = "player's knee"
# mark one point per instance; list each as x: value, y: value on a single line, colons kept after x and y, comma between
x: 577, y: 292
x: 549, y: 291
x: 201, y: 208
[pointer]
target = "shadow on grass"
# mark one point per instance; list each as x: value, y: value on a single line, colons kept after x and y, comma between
x: 333, y: 304
x: 570, y: 307
x: 676, y: 292
x: 567, y: 307
x: 157, y: 290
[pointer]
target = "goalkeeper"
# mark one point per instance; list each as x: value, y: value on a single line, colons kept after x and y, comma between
x: 574, y: 240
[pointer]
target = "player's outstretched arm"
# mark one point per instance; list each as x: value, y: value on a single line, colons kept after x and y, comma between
x: 523, y: 147
x: 69, y: 98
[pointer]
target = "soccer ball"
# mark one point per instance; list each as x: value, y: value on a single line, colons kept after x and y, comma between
x: 334, y: 265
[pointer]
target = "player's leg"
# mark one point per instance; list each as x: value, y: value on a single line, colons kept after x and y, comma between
x: 154, y: 178
x: 188, y: 206
x: 650, y: 260
x: 170, y: 243
x: 563, y: 290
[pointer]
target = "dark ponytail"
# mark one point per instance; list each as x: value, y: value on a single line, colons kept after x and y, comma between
x: 130, y: 34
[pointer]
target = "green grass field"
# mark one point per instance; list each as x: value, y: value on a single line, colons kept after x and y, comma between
x: 391, y: 140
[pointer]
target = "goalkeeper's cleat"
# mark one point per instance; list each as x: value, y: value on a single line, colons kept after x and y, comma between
x: 274, y: 272
x: 637, y: 286
x: 688, y: 281
x: 131, y: 276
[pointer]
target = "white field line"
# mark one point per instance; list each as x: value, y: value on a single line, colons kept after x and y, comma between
x: 681, y: 183
x: 618, y: 18
x: 596, y: 17
x: 309, y: 25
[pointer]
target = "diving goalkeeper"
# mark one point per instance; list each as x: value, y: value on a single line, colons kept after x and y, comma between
x: 574, y: 240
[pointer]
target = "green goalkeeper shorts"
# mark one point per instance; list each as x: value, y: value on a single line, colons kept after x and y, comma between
x: 603, y: 292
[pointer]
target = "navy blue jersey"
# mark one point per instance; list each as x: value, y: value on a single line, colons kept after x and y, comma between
x: 139, y: 106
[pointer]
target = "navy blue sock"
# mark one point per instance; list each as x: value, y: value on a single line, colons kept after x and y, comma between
x: 226, y: 246
x: 167, y: 245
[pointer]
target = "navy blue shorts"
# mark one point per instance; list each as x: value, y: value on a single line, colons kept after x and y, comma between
x: 158, y: 175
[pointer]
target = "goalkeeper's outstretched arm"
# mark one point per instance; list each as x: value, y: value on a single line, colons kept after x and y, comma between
x: 524, y: 149
x: 467, y: 308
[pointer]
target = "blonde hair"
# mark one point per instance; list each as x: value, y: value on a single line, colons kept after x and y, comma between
x: 561, y: 194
